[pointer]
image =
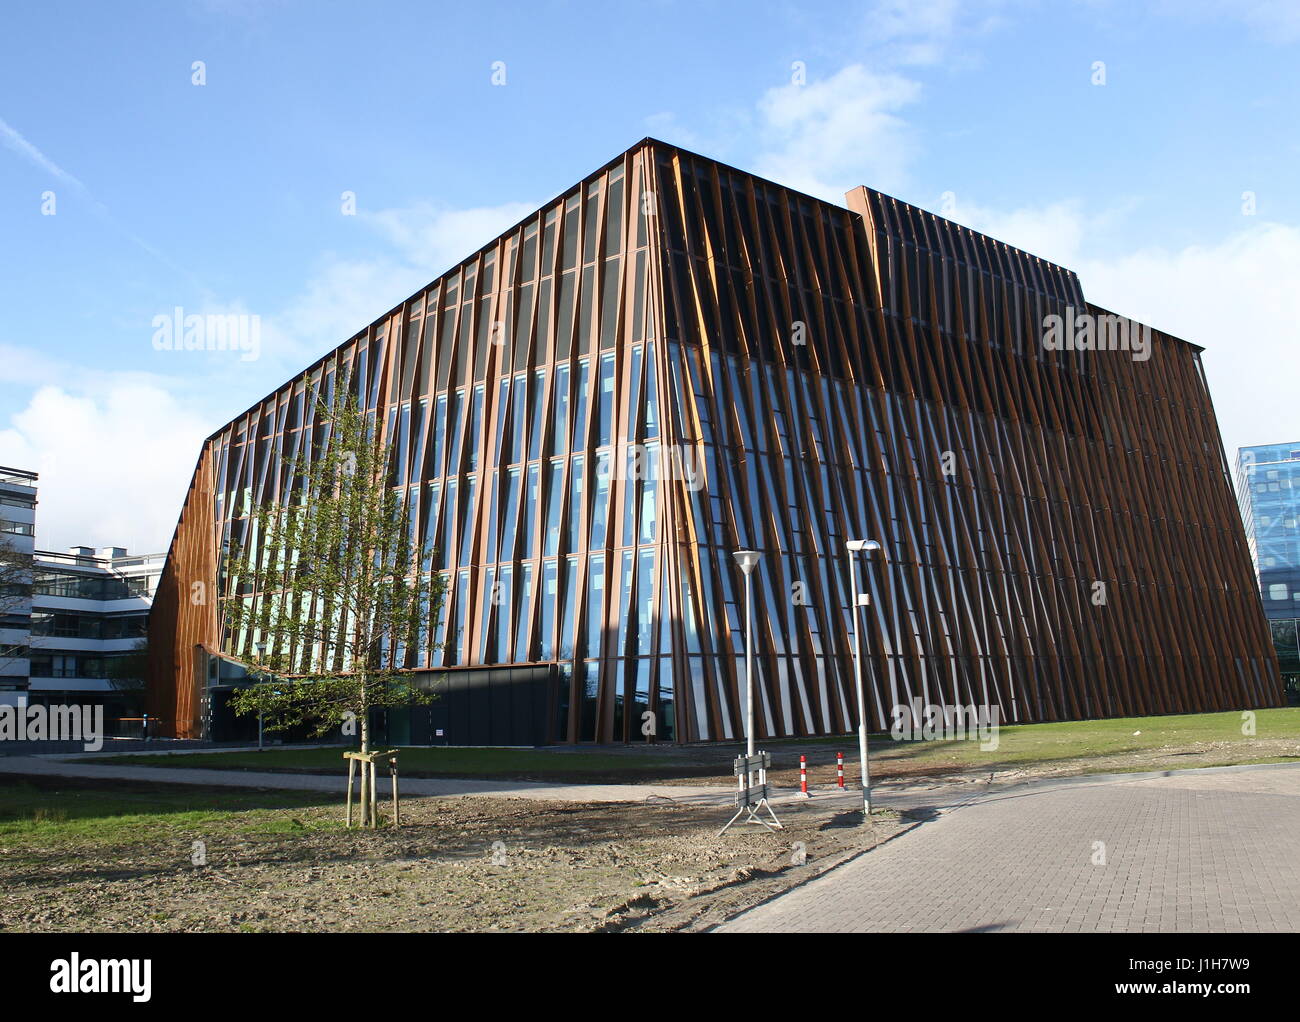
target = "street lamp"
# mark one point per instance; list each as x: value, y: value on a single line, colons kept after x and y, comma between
x: 748, y: 560
x: 855, y: 547
x: 751, y: 798
x: 261, y: 656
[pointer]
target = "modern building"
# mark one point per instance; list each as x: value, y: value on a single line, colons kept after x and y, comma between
x: 674, y: 360
x: 90, y: 611
x: 75, y: 632
x: 1268, y: 482
x: 17, y: 541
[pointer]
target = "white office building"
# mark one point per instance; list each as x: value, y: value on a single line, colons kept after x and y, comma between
x: 78, y: 635
x: 17, y: 541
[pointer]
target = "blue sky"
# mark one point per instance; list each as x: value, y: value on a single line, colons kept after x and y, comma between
x: 226, y: 196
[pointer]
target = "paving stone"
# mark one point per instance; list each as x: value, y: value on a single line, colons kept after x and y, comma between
x: 1185, y: 852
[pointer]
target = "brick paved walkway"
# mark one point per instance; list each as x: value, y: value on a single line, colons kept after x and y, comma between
x: 1194, y: 851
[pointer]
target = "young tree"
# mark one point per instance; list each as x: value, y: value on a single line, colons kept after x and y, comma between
x: 330, y: 589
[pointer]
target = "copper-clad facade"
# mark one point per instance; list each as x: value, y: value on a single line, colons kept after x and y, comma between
x: 674, y: 360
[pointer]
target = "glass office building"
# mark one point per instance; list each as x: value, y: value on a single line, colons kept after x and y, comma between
x: 674, y: 360
x: 1268, y: 482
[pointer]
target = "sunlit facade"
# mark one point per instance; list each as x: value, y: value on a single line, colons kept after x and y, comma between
x: 674, y: 360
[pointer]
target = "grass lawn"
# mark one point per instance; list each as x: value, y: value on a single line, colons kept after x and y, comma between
x: 1134, y: 743
x: 48, y: 812
x: 1105, y: 741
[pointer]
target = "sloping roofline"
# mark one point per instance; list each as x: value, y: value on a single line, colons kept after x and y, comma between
x: 652, y: 142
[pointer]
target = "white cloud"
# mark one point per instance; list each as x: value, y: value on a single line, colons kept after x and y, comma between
x: 917, y: 32
x: 116, y: 451
x: 929, y: 33
x: 114, y: 464
x: 837, y: 131
x: 828, y: 136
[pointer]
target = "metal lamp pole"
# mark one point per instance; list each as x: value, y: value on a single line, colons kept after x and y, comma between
x: 748, y: 559
x: 854, y: 547
x: 751, y: 798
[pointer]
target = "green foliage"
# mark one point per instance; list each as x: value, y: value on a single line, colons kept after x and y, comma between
x: 329, y: 587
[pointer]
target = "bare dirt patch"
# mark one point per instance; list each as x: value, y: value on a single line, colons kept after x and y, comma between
x: 456, y: 864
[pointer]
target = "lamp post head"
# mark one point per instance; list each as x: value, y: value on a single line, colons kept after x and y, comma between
x: 747, y: 559
x: 856, y: 545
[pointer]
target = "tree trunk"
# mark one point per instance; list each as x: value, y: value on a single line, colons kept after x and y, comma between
x: 367, y: 796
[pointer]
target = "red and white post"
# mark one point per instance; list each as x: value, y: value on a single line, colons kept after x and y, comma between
x: 803, y: 776
x: 839, y: 769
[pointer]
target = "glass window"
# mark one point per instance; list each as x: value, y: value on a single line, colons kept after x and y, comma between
x: 403, y: 443
x: 475, y: 426
x: 561, y: 414
x: 645, y: 603
x: 564, y: 322
x: 528, y: 254
x: 455, y: 431
x: 529, y: 523
x: 600, y: 507
x: 569, y: 245
x: 570, y: 607
x: 649, y: 495
x: 606, y: 399
x: 590, y: 698
x: 641, y: 692
x: 576, y: 502
x: 502, y: 616
x: 595, y: 605
x: 457, y: 653
x: 467, y: 521
x: 625, y: 602
x: 548, y: 241
x: 549, y: 601
x: 439, y: 433
x: 609, y: 304
x: 492, y: 526
x: 525, y: 607
x: 554, y: 508
x: 614, y: 218
x: 538, y: 426
x: 651, y: 404
x: 446, y: 523
x: 510, y: 520
x: 517, y: 419
x: 591, y: 222
x: 580, y: 406
x: 440, y: 632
